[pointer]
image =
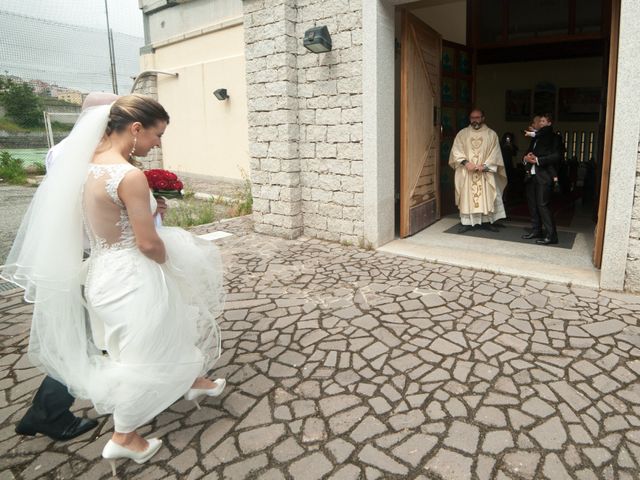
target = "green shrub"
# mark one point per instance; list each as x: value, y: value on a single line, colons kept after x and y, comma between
x: 244, y: 198
x: 12, y: 169
x: 38, y: 168
x: 190, y: 212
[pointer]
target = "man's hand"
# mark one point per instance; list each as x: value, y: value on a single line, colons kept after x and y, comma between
x: 162, y: 206
x: 530, y: 158
x: 470, y: 166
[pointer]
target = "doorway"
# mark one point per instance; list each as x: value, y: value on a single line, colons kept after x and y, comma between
x: 511, y: 80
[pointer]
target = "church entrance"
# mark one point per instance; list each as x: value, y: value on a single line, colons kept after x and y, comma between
x: 512, y: 59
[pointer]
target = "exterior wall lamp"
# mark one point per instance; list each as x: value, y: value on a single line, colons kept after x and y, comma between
x: 221, y: 94
x: 317, y: 39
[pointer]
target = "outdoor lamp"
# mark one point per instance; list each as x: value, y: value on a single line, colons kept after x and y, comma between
x: 317, y: 39
x: 221, y: 94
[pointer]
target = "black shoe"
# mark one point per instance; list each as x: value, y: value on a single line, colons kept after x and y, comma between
x: 547, y: 241
x: 77, y: 427
x: 465, y: 228
x: 529, y: 236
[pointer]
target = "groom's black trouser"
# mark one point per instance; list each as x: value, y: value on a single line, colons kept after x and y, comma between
x: 51, y: 406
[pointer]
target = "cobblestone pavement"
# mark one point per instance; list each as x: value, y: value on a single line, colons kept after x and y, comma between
x: 345, y: 363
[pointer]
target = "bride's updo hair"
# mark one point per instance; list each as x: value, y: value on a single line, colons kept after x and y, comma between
x: 135, y: 108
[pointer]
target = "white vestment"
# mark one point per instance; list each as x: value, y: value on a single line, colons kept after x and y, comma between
x: 478, y: 194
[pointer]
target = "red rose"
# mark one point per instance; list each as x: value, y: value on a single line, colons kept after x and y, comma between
x: 177, y: 185
x: 162, y: 185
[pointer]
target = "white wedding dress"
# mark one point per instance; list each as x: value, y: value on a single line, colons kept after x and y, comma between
x: 156, y: 322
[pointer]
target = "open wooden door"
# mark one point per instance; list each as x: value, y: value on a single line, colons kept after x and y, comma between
x: 420, y: 64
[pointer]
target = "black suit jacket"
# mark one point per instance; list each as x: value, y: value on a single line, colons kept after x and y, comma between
x: 547, y: 146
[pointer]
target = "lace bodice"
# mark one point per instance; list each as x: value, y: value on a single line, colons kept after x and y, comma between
x: 105, y: 217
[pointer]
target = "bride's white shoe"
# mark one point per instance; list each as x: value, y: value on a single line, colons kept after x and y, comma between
x: 194, y: 393
x: 113, y: 451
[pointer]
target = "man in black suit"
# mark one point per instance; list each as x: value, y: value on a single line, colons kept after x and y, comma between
x: 542, y: 160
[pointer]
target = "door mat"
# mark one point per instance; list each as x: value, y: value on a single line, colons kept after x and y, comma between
x: 513, y: 234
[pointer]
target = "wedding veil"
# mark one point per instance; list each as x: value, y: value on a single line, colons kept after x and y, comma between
x: 46, y: 260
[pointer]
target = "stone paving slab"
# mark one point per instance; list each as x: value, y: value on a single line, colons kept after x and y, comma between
x: 352, y: 364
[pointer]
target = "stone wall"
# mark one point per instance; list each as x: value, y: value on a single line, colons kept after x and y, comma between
x: 632, y: 273
x: 305, y: 119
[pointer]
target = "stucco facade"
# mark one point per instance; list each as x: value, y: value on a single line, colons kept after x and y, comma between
x: 202, y: 41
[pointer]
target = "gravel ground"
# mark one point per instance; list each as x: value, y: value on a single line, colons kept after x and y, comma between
x: 14, y: 201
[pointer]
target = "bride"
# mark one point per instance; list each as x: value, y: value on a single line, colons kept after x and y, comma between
x: 152, y: 294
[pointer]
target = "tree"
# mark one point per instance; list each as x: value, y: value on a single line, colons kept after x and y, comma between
x: 21, y: 104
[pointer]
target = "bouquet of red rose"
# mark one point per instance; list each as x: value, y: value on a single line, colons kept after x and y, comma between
x: 164, y: 183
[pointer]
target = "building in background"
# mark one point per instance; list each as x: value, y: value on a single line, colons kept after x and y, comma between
x: 351, y: 145
x: 202, y: 41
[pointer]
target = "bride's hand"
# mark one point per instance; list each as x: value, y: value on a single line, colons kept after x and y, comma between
x: 162, y: 206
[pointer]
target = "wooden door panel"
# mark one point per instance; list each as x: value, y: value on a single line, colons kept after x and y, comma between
x: 419, y: 128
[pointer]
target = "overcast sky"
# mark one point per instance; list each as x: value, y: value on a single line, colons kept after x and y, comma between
x: 64, y: 42
x: 124, y: 15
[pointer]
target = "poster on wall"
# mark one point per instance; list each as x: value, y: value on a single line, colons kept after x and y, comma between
x: 517, y: 105
x: 579, y: 104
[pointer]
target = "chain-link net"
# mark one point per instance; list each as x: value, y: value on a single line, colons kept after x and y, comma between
x: 51, y: 54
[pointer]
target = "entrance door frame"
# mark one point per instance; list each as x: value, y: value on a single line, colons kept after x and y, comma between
x: 378, y: 84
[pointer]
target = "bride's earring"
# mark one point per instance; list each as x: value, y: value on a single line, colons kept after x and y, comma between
x: 133, y: 149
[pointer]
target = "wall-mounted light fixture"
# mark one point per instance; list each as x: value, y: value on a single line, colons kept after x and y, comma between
x: 317, y: 39
x: 221, y: 94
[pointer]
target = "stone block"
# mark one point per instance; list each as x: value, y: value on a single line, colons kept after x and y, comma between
x: 317, y: 73
x: 341, y: 40
x: 330, y: 182
x: 350, y: 85
x: 353, y: 213
x: 321, y: 101
x: 352, y: 54
x: 320, y: 195
x: 338, y: 133
x: 283, y: 150
x: 285, y: 179
x: 291, y: 165
x: 326, y: 87
x: 258, y: 149
x: 343, y: 198
x: 326, y: 150
x: 349, y: 21
x: 352, y: 115
x: 261, y: 205
x: 307, y: 150
x: 310, y: 207
x: 270, y: 164
x: 342, y: 100
x: 316, y: 133
x: 352, y: 184
x: 350, y: 151
x: 269, y: 192
x: 342, y: 167
x: 329, y: 116
x: 315, y: 222
x: 286, y: 208
x: 291, y: 194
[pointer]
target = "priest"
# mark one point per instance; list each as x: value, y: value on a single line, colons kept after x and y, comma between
x: 480, y: 176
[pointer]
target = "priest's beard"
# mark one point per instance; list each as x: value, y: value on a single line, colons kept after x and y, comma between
x: 476, y: 125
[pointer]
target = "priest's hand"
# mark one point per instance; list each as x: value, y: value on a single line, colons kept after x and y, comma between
x: 470, y: 166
